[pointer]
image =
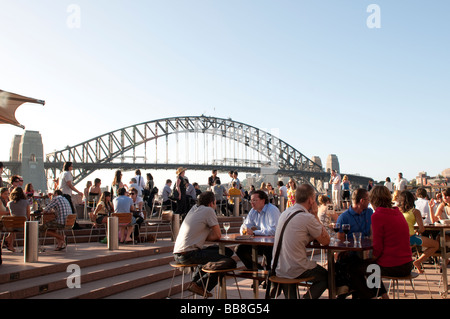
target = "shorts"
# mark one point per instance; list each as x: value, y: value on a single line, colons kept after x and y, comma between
x: 415, y: 240
x: 52, y: 224
x: 346, y: 195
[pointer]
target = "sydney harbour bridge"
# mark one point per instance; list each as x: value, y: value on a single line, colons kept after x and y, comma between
x: 195, y: 142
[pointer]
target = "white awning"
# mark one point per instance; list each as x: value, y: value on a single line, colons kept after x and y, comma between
x: 9, y: 102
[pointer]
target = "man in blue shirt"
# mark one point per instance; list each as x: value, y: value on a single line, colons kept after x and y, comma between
x: 359, y: 215
x: 262, y: 220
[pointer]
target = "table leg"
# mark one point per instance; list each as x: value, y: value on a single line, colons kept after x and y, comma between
x: 222, y: 283
x: 444, y: 264
x: 255, y: 268
x: 331, y: 273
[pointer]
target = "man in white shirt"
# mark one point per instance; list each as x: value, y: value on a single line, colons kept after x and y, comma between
x: 400, y: 183
x: 422, y: 204
x: 139, y: 181
x: 335, y: 182
x: 283, y: 189
x: 262, y: 220
x: 304, y: 227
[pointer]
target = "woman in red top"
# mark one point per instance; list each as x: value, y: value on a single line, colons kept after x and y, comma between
x: 391, y: 249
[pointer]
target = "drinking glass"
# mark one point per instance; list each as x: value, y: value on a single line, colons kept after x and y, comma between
x: 336, y: 228
x: 346, y: 230
x: 226, y: 226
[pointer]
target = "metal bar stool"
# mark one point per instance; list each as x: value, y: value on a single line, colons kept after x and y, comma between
x: 304, y: 282
x: 222, y: 276
x: 185, y: 269
x: 394, y: 281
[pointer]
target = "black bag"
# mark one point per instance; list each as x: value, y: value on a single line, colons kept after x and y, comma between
x: 224, y: 263
x: 175, y: 194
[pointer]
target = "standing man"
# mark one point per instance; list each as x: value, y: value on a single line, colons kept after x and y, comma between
x: 66, y: 186
x: 212, y: 179
x: 283, y: 190
x: 199, y: 226
x: 140, y: 182
x: 400, y: 183
x: 262, y: 220
x: 305, y: 226
x: 335, y: 182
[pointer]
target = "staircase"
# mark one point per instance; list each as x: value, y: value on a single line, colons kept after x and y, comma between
x: 140, y: 271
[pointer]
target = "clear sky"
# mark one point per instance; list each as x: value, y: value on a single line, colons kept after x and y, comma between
x: 367, y: 83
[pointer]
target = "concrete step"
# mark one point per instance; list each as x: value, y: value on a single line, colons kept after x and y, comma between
x: 115, y: 284
x: 45, y: 284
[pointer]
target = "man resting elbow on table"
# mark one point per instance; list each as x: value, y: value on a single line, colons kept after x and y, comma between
x: 262, y: 220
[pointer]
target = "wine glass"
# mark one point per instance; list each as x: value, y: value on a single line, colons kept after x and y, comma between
x: 336, y: 228
x: 226, y: 226
x: 346, y: 230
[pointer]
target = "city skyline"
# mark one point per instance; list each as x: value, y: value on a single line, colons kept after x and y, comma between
x: 363, y: 80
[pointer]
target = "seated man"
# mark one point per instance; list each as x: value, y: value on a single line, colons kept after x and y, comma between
x: 124, y: 204
x: 293, y: 261
x: 262, y: 220
x: 60, y: 206
x: 199, y: 226
x: 358, y: 215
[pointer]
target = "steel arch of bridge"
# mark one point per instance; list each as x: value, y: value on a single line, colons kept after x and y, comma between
x: 103, y: 151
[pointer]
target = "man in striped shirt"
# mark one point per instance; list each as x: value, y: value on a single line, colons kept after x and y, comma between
x: 61, y: 208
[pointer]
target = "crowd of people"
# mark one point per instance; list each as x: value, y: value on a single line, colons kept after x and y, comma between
x: 384, y: 213
x: 372, y: 211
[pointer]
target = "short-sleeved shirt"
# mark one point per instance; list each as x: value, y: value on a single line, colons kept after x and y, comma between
x: 62, y: 207
x: 358, y: 222
x: 65, y: 177
x: 301, y: 230
x: 122, y: 204
x: 195, y: 229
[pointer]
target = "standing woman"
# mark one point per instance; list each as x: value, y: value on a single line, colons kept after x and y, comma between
x: 346, y: 191
x: 149, y: 190
x: 18, y: 206
x: 412, y: 215
x: 291, y: 193
x: 117, y: 183
x: 182, y: 204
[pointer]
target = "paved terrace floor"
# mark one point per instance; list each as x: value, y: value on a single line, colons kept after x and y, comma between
x: 14, y: 262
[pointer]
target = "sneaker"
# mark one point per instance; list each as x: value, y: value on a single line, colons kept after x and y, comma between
x: 193, y: 287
